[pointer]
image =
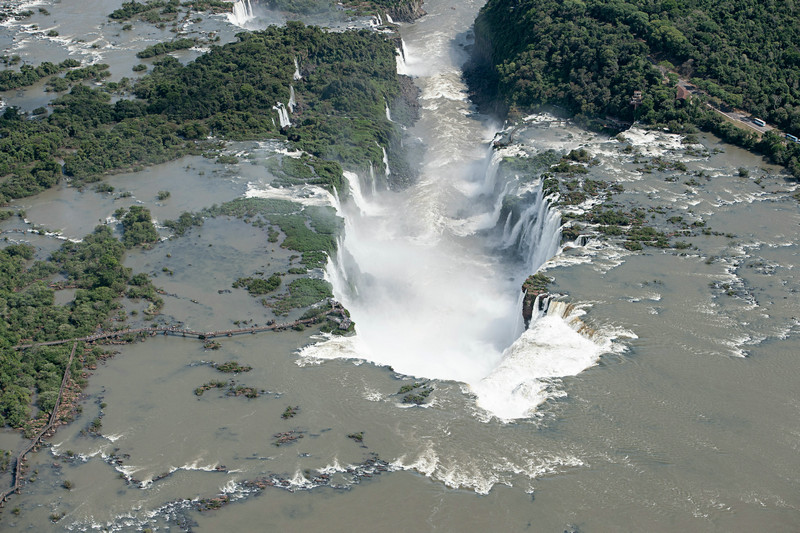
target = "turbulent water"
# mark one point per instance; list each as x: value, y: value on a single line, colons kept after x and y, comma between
x: 433, y: 292
x: 658, y: 392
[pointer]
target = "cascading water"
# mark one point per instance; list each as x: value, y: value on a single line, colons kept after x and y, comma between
x: 402, y: 67
x: 373, y: 184
x: 297, y: 75
x: 283, y: 115
x: 242, y: 13
x: 386, y: 168
x: 292, y: 103
x: 433, y: 292
x: 536, y: 234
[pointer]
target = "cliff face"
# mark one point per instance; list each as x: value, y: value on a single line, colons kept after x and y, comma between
x: 480, y: 72
x: 535, y: 287
x: 407, y: 11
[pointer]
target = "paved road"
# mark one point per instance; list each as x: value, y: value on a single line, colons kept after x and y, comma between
x: 743, y: 120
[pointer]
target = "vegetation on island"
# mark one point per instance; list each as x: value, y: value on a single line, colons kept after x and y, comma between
x: 358, y: 437
x: 258, y: 286
x: 232, y: 389
x: 311, y: 230
x: 231, y: 367
x: 290, y: 412
x: 165, y: 48
x: 156, y: 11
x: 28, y: 313
x: 138, y: 228
x: 302, y: 292
x: 28, y: 74
x: 624, y: 58
x: 230, y: 92
x: 416, y: 393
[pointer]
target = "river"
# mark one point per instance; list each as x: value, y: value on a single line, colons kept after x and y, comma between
x: 659, y: 392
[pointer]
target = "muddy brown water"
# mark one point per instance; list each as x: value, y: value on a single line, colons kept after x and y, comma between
x: 691, y: 421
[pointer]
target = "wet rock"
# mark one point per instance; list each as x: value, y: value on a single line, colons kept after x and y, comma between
x: 407, y: 11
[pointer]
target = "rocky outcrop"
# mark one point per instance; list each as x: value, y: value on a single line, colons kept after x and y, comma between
x: 535, y: 289
x: 405, y: 107
x: 407, y: 11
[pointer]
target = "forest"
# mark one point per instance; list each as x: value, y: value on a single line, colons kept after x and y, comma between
x: 589, y: 58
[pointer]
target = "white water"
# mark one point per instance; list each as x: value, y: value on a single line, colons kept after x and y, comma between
x: 386, y: 168
x: 242, y: 13
x: 431, y: 292
x: 297, y: 75
x: 402, y: 67
x: 283, y: 115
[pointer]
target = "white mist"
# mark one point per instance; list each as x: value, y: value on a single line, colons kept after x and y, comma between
x: 433, y: 293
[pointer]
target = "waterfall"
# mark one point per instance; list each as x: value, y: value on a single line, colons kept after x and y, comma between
x: 297, y: 75
x: 419, y: 268
x: 402, y: 58
x: 490, y: 177
x: 364, y: 207
x: 389, y: 19
x: 354, y: 184
x: 537, y: 233
x: 283, y: 115
x: 388, y: 113
x: 373, y: 186
x: 242, y: 13
x: 386, y: 162
x: 292, y: 102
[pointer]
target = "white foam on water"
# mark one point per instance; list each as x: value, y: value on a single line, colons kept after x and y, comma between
x: 553, y: 347
x: 304, y: 194
x: 230, y: 487
x: 373, y: 395
x: 481, y: 477
x: 333, y: 468
x: 653, y: 143
x: 115, y: 437
x: 242, y: 13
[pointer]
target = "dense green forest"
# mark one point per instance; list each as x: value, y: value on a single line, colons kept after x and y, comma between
x: 589, y: 57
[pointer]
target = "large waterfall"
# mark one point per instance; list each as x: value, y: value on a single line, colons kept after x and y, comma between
x: 242, y: 13
x: 432, y: 276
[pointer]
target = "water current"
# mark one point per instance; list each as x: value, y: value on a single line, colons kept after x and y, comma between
x: 659, y: 392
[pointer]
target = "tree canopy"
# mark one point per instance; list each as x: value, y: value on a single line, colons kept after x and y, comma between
x: 590, y: 57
